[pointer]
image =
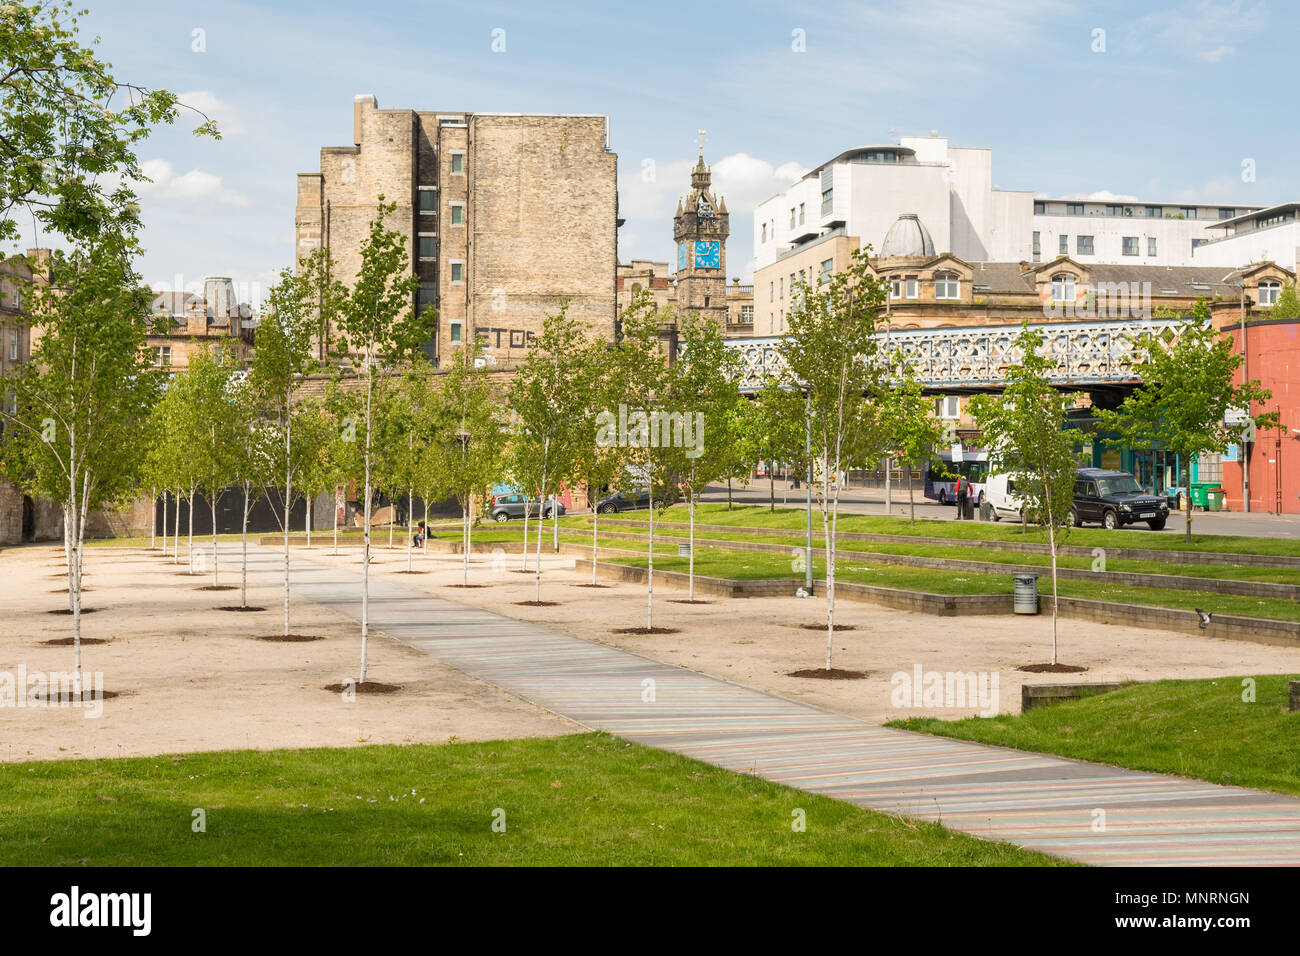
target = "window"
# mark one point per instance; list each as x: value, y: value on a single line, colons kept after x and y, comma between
x: 1226, y: 213
x: 426, y: 297
x: 427, y: 246
x: 1038, y: 249
x: 1151, y: 245
x: 1063, y: 244
x: 792, y: 217
x: 162, y: 355
x: 828, y: 266
x: 763, y: 233
x: 948, y: 406
x: 828, y: 195
x: 1188, y: 212
x: 428, y: 203
x: 13, y: 345
x: 457, y: 273
x: 1130, y: 246
x: 458, y: 164
x: 911, y: 287
x: 746, y: 315
x: 1074, y: 209
x: 1114, y: 210
x: 1269, y: 290
x: 895, y: 287
x: 780, y: 288
x: 1083, y: 245
x: 1063, y: 288
x: 1155, y: 212
x: 1040, y: 208
x: 801, y: 214
x: 455, y: 333
x: 947, y: 285
x: 458, y: 214
x: 771, y: 292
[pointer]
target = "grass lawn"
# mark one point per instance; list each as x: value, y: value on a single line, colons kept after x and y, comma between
x: 757, y: 565
x: 587, y: 799
x: 1193, y: 728
x: 793, y: 519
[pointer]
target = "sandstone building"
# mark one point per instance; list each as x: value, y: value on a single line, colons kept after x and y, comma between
x: 188, y: 322
x: 507, y: 215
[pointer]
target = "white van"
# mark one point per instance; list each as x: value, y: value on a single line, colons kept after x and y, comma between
x: 1000, y: 493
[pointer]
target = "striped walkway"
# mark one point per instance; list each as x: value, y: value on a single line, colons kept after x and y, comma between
x: 1086, y: 812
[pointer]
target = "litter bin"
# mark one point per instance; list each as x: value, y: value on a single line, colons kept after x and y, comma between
x: 1026, y: 594
x: 1201, y: 494
x: 1215, y: 497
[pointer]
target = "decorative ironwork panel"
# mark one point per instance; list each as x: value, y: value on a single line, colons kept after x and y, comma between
x: 1081, y: 353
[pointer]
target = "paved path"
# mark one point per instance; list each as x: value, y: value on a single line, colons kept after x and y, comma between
x: 1037, y: 801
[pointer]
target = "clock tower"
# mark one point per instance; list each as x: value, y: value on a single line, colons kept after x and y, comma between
x: 700, y: 228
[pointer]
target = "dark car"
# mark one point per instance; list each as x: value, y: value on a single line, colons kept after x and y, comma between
x: 505, y: 507
x: 628, y: 501
x: 1114, y: 498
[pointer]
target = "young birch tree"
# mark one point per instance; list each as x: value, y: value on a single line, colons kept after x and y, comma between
x: 831, y: 355
x: 1188, y: 386
x: 378, y: 323
x: 1025, y: 428
x: 83, y: 401
x: 702, y: 396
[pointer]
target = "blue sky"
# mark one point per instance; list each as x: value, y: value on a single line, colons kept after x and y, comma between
x: 1181, y: 95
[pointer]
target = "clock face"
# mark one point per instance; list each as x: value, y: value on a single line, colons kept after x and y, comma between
x: 681, y: 256
x: 708, y: 254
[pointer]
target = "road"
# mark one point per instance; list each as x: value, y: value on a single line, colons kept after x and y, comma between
x: 872, y: 501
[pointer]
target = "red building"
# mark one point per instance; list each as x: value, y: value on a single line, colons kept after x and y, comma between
x: 1273, y: 459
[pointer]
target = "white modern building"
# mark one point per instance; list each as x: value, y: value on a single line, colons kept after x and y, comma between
x: 863, y: 191
x: 1260, y: 235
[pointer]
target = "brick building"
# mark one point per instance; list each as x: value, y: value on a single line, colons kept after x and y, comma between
x: 506, y: 216
x: 188, y: 322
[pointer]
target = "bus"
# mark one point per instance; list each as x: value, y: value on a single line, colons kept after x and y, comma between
x: 941, y: 476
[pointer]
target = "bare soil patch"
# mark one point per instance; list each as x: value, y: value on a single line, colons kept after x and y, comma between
x: 834, y: 673
x: 1051, y: 668
x: 236, y: 607
x: 290, y: 638
x: 369, y: 687
x: 647, y: 630
x: 69, y: 641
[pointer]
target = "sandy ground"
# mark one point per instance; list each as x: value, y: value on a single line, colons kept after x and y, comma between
x: 758, y: 641
x: 197, y: 679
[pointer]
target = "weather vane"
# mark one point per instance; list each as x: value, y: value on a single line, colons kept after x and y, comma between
x: 700, y: 139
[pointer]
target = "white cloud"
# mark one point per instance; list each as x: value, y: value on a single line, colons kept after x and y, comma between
x: 194, y: 186
x: 1101, y: 195
x: 651, y: 191
x: 229, y: 122
x: 1214, y: 56
x: 1199, y: 30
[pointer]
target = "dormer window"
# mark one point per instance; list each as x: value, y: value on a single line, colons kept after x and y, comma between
x: 1063, y: 287
x: 947, y: 285
x: 1269, y: 290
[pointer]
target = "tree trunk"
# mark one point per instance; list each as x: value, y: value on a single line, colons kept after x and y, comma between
x: 212, y: 507
x: 690, y: 558
x: 176, y: 532
x: 1187, y: 533
x: 392, y: 520
x: 306, y: 518
x: 243, y: 573
x: 650, y: 576
x: 1051, y: 538
x: 288, y: 501
x: 524, y: 566
x: 911, y: 498
x: 541, y: 526
x: 189, y: 538
x: 728, y: 492
x: 410, y: 527
x: 365, y: 545
x: 828, y: 529
x: 164, y: 522
x: 335, y: 502
x: 555, y: 523
x: 595, y: 518
x: 153, y: 519
x: 428, y: 532
x: 465, y: 539
x: 771, y: 487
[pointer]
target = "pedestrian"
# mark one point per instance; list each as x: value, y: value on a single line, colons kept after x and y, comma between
x: 963, y: 493
x: 420, y: 535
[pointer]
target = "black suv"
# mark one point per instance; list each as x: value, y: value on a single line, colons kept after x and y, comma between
x: 629, y: 501
x: 1115, y: 499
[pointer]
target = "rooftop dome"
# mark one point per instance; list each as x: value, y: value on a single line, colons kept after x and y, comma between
x: 907, y: 237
